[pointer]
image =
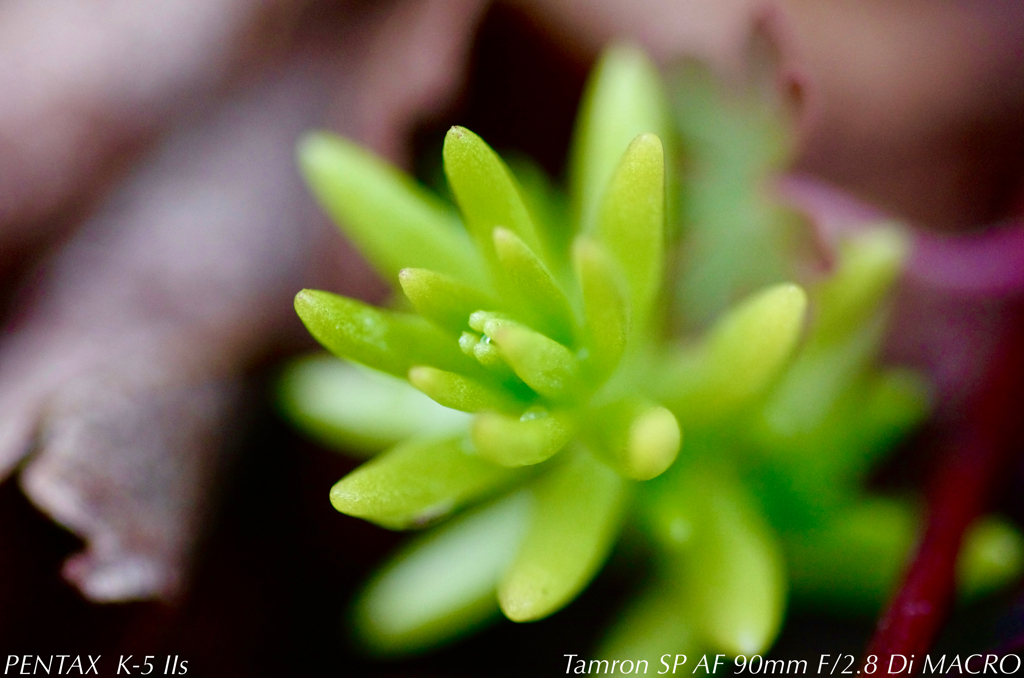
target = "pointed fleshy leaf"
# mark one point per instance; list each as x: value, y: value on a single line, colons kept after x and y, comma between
x: 520, y: 441
x: 636, y: 437
x: 442, y: 584
x: 462, y: 393
x: 623, y: 98
x: 735, y: 578
x: 818, y: 378
x: 577, y: 513
x: 845, y: 336
x: 873, y: 416
x: 417, y: 482
x: 394, y: 223
x: 869, y: 263
x: 743, y: 353
x: 542, y: 301
x: 546, y: 366
x: 384, y: 340
x: 605, y: 306
x: 485, y: 190
x: 442, y: 299
x: 631, y: 221
x: 355, y: 409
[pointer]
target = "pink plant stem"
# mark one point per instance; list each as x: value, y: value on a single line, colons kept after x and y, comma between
x: 972, y: 461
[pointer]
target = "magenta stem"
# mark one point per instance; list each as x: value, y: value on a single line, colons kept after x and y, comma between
x: 971, y: 463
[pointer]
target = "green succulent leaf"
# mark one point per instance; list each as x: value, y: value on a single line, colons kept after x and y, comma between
x: 521, y: 441
x: 623, y: 99
x: 853, y: 560
x: 541, y: 299
x: 840, y: 345
x: 868, y: 266
x: 388, y: 341
x: 636, y: 437
x: 395, y: 223
x: 743, y: 353
x: 546, y: 366
x: 654, y: 625
x: 897, y: 399
x: 631, y: 221
x: 548, y: 206
x: 811, y: 389
x: 442, y: 299
x: 869, y: 419
x: 606, y: 306
x: 462, y: 393
x: 733, y: 567
x: 485, y: 190
x: 417, y: 482
x: 360, y: 410
x: 577, y: 511
x: 442, y: 584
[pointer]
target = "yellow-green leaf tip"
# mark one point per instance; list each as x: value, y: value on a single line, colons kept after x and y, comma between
x: 654, y: 441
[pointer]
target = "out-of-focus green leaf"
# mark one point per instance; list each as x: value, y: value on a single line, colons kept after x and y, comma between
x: 442, y: 585
x: 844, y: 336
x: 577, y: 511
x: 623, y: 99
x: 895, y: 400
x: 742, y: 354
x: 873, y: 416
x: 738, y: 238
x: 816, y: 380
x: 384, y: 340
x: 735, y: 578
x: 868, y: 266
x: 655, y: 627
x: 359, y: 410
x: 799, y: 485
x: 992, y: 557
x: 395, y: 223
x: 417, y: 482
x: 854, y: 560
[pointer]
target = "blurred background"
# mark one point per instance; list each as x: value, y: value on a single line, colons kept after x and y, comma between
x: 154, y: 229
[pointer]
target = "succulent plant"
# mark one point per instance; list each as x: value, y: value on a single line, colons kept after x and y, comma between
x: 552, y: 391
